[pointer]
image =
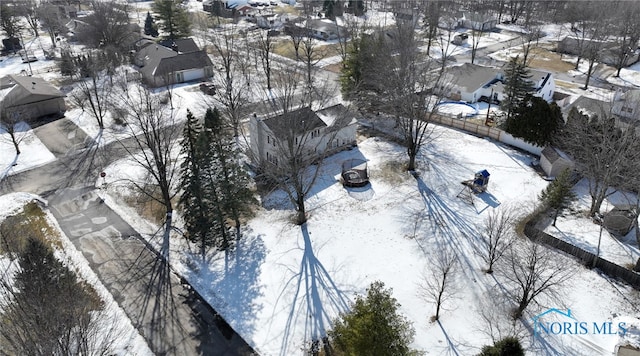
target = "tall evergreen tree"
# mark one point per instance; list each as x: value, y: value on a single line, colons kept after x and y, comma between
x: 175, y: 21
x: 357, y: 6
x: 535, y: 120
x: 215, y: 186
x: 236, y: 195
x: 328, y: 8
x: 558, y: 194
x: 516, y: 86
x: 193, y: 200
x: 150, y: 28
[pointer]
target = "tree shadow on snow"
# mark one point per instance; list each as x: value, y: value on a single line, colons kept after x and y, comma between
x: 316, y: 300
x: 232, y: 287
x: 328, y: 172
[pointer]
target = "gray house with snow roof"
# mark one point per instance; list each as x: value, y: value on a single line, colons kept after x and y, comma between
x: 472, y: 83
x: 311, y: 133
x: 30, y: 97
x: 176, y: 61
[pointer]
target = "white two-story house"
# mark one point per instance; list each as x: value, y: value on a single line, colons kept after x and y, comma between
x: 301, y: 133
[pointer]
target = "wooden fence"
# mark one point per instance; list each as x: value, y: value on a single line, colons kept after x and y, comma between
x: 486, y: 131
x: 587, y: 258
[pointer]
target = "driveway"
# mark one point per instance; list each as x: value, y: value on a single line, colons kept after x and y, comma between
x: 62, y: 136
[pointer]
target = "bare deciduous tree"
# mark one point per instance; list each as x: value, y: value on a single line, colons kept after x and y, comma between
x: 10, y: 119
x: 626, y: 32
x: 476, y: 36
x: 497, y: 236
x: 155, y: 132
x: 265, y: 50
x: 51, y: 23
x: 94, y: 93
x: 302, y: 142
x: 234, y: 80
x: 611, y: 151
x: 29, y: 9
x: 531, y: 270
x: 438, y: 283
x: 108, y: 26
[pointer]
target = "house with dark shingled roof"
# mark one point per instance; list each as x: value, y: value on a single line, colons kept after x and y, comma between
x: 312, y: 134
x: 174, y: 62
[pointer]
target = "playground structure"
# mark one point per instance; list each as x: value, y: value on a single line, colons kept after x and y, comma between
x: 474, y: 186
x: 355, y: 173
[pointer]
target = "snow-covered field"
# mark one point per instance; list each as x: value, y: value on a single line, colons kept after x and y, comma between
x: 285, y: 283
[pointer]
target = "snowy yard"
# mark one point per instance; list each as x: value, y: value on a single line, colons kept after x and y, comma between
x: 33, y: 151
x: 286, y: 283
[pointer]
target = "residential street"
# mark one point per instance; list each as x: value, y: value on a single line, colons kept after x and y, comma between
x: 173, y: 319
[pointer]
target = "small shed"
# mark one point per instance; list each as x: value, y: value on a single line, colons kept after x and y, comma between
x: 619, y: 221
x: 553, y: 161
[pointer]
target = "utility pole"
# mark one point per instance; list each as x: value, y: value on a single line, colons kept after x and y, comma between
x: 26, y: 53
x: 599, y: 218
x: 486, y: 120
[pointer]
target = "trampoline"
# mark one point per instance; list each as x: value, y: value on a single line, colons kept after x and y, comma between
x: 355, y: 173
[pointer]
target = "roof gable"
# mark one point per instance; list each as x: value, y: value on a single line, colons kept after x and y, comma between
x: 183, y: 45
x: 185, y: 61
x: 25, y: 90
x: 294, y: 122
x: 473, y: 76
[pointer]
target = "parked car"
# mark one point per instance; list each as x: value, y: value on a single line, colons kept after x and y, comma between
x: 27, y: 56
x: 208, y: 88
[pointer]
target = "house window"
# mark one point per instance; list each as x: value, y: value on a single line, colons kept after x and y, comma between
x: 627, y: 109
x: 271, y: 140
x: 180, y: 77
x: 315, y: 133
x: 272, y: 158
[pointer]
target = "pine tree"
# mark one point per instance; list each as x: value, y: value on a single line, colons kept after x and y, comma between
x: 373, y: 327
x: 535, y: 120
x: 175, y: 21
x: 328, y: 7
x: 193, y: 200
x: 357, y: 6
x: 236, y: 196
x: 516, y: 86
x: 215, y: 187
x: 558, y: 194
x: 66, y: 64
x: 508, y: 346
x: 150, y: 28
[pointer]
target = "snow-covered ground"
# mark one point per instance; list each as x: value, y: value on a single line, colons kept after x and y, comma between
x: 580, y: 231
x: 33, y: 152
x: 285, y: 283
